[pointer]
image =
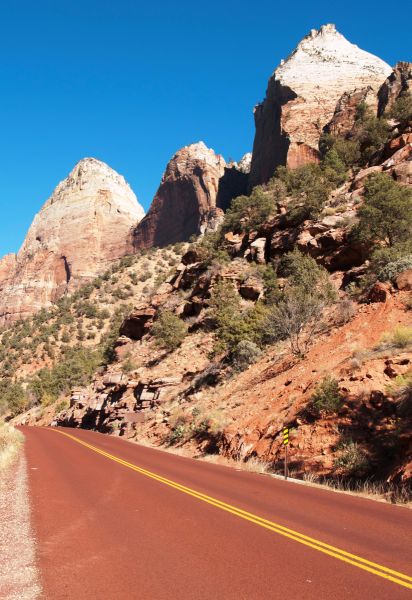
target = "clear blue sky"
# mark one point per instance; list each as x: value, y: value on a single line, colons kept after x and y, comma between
x: 130, y: 82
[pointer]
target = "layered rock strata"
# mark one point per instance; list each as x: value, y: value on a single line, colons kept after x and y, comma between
x: 83, y: 227
x: 196, y: 183
x: 302, y: 95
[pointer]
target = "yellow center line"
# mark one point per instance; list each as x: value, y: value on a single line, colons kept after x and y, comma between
x: 362, y: 563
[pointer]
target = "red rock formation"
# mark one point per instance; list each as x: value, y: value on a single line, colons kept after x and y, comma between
x: 345, y: 112
x: 82, y: 228
x: 400, y: 80
x: 195, y: 183
x: 301, y: 99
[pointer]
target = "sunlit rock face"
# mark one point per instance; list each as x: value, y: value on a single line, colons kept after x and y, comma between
x: 302, y: 95
x: 196, y: 183
x: 84, y: 226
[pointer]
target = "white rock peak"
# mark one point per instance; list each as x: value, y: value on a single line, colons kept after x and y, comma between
x: 89, y: 178
x: 324, y: 57
x: 200, y: 151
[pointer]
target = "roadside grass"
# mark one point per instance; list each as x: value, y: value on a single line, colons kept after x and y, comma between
x: 377, y: 490
x: 10, y: 442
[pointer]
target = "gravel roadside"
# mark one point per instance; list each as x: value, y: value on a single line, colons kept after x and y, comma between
x: 19, y: 576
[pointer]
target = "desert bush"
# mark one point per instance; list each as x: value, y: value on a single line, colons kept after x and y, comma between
x: 210, y: 249
x: 169, y: 331
x: 402, y: 107
x: 133, y: 277
x: 309, y: 187
x: 369, y: 131
x: 402, y: 336
x: 75, y: 368
x: 246, y: 353
x: 128, y: 364
x: 386, y: 215
x: 348, y: 151
x: 402, y: 391
x: 326, y: 398
x: 13, y: 397
x: 297, y: 315
x: 345, y: 310
x: 10, y: 442
x: 234, y: 324
x: 333, y: 167
x: 399, y: 338
x: 127, y: 261
x: 391, y: 270
x: 351, y: 459
x: 304, y: 272
x: 247, y: 213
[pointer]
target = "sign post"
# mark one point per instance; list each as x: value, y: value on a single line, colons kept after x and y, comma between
x: 286, y: 443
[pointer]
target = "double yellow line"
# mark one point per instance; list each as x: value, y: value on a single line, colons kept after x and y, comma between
x: 352, y: 559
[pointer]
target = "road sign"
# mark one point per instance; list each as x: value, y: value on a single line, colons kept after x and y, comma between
x: 286, y: 443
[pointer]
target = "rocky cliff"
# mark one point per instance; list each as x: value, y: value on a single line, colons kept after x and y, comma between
x: 302, y: 95
x: 82, y: 228
x: 196, y: 184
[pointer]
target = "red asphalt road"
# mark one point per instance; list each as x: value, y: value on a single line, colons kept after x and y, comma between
x: 107, y: 532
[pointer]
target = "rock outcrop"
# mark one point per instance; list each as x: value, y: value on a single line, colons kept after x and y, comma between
x: 195, y: 183
x: 302, y: 95
x: 399, y: 81
x: 83, y: 227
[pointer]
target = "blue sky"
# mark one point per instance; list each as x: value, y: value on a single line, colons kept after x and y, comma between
x: 131, y: 82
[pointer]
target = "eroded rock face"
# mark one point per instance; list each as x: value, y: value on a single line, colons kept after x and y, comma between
x: 302, y: 95
x: 344, y: 116
x: 84, y: 226
x: 400, y: 80
x: 195, y: 183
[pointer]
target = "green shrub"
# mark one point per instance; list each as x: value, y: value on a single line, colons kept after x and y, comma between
x: 369, y: 131
x: 333, y: 167
x: 246, y: 353
x: 327, y: 398
x: 348, y: 151
x: 247, y: 213
x: 297, y: 315
x: 75, y: 368
x: 402, y: 107
x: 13, y: 397
x: 401, y: 336
x: 386, y: 215
x: 233, y: 324
x: 352, y: 459
x: 309, y: 187
x: 391, y: 270
x: 169, y: 331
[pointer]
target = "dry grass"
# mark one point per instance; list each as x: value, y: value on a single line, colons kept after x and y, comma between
x: 376, y: 490
x: 256, y: 465
x: 10, y: 442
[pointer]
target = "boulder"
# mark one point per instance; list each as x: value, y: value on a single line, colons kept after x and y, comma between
x: 257, y: 250
x: 138, y: 323
x: 404, y: 281
x: 400, y: 80
x: 251, y: 289
x: 379, y: 293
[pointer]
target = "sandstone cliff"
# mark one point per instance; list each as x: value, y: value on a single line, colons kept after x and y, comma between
x: 196, y: 183
x: 302, y: 95
x: 398, y: 82
x: 82, y: 228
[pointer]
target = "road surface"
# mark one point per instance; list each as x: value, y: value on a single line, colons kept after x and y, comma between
x: 118, y: 521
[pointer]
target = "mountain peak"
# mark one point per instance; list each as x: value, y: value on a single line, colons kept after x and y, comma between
x: 324, y: 55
